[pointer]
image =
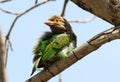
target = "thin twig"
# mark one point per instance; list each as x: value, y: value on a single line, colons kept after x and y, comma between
x: 64, y: 7
x: 9, y: 32
x: 83, y: 21
x: 36, y: 1
x: 21, y: 14
x: 8, y: 12
x: 3, y: 1
x: 60, y: 77
x: 7, y: 41
x: 7, y: 49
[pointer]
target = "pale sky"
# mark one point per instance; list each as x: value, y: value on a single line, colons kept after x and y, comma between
x: 101, y: 65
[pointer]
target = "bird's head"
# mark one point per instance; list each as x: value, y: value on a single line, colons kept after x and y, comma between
x: 58, y: 24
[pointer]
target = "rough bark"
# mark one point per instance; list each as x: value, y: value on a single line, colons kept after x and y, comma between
x: 80, y: 52
x: 108, y: 10
x: 2, y: 58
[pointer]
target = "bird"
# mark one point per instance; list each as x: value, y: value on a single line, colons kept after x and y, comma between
x: 54, y: 45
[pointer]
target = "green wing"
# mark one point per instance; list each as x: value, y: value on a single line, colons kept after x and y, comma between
x: 55, y: 46
x: 43, y: 41
x: 37, y: 50
x: 35, y: 65
x: 46, y: 50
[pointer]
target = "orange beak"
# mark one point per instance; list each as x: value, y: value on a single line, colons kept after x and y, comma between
x: 49, y: 23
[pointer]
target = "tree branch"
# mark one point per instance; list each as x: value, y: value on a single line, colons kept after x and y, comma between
x: 8, y: 12
x: 108, y: 10
x: 2, y: 58
x: 64, y: 7
x: 80, y: 52
x: 83, y: 21
x: 36, y: 1
x: 23, y: 13
x: 4, y: 1
x: 7, y: 40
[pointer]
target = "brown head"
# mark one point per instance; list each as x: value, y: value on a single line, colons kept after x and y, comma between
x: 58, y: 25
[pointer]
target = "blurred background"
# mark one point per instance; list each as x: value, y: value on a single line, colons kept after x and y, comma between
x: 101, y: 65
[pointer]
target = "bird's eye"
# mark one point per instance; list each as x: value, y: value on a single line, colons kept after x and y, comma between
x: 56, y: 20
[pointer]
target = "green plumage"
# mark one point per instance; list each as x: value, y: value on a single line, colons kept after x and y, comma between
x: 50, y: 50
x: 55, y: 45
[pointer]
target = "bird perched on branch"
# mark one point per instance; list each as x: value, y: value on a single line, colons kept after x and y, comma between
x: 55, y: 45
